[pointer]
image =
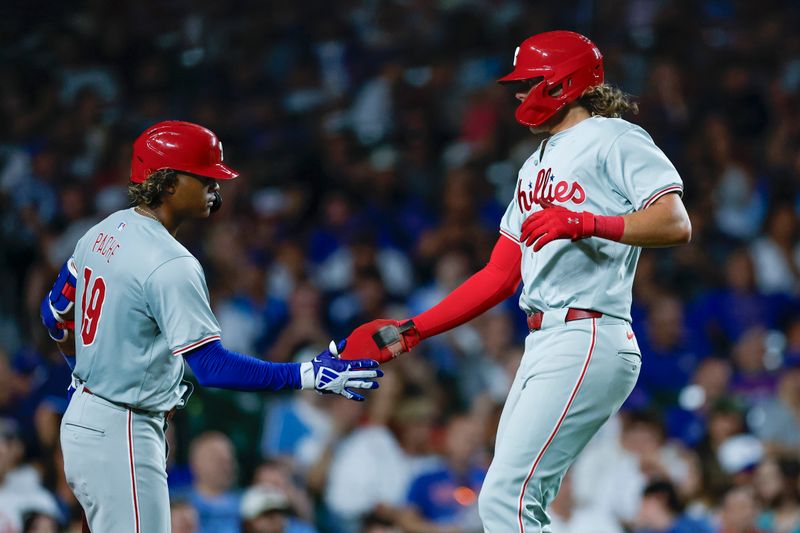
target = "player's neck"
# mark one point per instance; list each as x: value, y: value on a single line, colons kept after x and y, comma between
x: 164, y: 215
x: 573, y: 116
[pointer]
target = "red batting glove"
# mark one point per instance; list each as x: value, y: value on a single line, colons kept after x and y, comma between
x: 381, y: 340
x: 558, y: 222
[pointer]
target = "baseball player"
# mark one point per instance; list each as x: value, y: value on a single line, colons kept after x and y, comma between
x: 141, y: 308
x: 594, y: 192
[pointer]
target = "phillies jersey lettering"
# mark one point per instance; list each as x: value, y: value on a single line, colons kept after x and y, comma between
x: 141, y: 301
x: 548, y: 190
x: 607, y: 166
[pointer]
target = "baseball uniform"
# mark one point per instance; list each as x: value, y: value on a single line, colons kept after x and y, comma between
x: 574, y: 374
x: 141, y: 302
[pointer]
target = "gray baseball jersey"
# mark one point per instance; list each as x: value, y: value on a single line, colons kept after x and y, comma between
x: 575, y: 374
x: 607, y: 166
x: 141, y: 302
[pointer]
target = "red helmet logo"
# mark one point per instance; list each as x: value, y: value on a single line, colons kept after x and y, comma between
x: 181, y: 146
x: 567, y: 63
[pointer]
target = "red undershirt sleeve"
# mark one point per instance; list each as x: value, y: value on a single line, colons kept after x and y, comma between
x: 488, y: 287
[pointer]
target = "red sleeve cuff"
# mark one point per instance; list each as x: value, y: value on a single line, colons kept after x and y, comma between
x: 658, y: 194
x: 191, y: 346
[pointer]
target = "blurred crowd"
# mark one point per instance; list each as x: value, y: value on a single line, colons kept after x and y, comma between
x: 377, y: 156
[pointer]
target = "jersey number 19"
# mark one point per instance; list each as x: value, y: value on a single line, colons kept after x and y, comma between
x: 91, y: 312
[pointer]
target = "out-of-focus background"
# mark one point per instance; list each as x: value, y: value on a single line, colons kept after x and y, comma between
x: 377, y: 156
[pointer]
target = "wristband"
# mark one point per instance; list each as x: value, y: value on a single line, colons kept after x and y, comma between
x: 609, y: 227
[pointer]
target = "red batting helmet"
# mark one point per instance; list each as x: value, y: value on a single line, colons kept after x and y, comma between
x: 567, y: 63
x: 180, y: 146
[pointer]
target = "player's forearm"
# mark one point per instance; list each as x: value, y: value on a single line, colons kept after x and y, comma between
x: 215, y: 366
x: 665, y: 223
x: 67, y: 350
x: 491, y: 285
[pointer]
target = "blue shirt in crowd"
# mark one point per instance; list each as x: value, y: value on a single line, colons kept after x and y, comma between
x: 441, y: 495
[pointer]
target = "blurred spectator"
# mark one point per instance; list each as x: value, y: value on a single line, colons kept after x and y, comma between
x: 722, y: 315
x: 40, y: 523
x: 777, y: 487
x: 213, y: 466
x: 362, y: 253
x: 611, y: 475
x: 21, y: 491
x: 738, y: 456
x: 687, y: 420
x: 489, y: 365
x: 366, y: 301
x: 305, y: 325
x: 183, y: 517
x: 752, y: 380
x: 298, y: 427
x: 267, y: 510
x: 662, y: 512
x: 792, y: 353
x: 776, y: 420
x: 672, y: 354
x: 566, y: 516
x: 725, y: 419
x: 364, y: 467
x: 377, y: 523
x: 739, y: 204
x: 243, y: 314
x: 776, y: 257
x: 739, y: 511
x: 448, y: 495
x: 278, y: 475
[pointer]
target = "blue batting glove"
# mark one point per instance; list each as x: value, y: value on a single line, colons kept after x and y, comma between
x: 62, y: 295
x: 327, y: 374
x: 50, y: 319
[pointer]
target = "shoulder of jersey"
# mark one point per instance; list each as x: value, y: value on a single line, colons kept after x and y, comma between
x: 613, y: 126
x: 611, y: 129
x: 158, y: 245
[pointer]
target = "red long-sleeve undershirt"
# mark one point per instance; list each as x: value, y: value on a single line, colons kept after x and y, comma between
x: 488, y: 287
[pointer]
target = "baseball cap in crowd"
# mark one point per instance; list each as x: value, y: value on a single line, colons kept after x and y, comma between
x: 258, y: 500
x: 740, y: 453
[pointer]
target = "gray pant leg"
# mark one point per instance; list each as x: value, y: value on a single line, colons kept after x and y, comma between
x: 575, y: 378
x: 114, y: 463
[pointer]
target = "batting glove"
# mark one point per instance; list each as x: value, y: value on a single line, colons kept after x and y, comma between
x: 381, y: 340
x: 556, y: 222
x: 58, y: 302
x: 327, y: 374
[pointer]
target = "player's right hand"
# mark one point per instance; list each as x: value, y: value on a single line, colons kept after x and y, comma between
x: 327, y: 374
x: 381, y: 340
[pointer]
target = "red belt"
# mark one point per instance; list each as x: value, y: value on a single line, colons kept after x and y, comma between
x: 535, y: 319
x: 167, y: 414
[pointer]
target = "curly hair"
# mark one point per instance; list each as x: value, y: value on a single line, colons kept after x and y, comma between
x: 607, y: 101
x: 151, y: 192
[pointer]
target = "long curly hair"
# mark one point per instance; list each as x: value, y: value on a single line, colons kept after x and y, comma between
x: 607, y: 101
x: 151, y: 191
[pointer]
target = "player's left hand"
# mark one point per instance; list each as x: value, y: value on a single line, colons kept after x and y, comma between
x: 556, y: 222
x: 327, y: 374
